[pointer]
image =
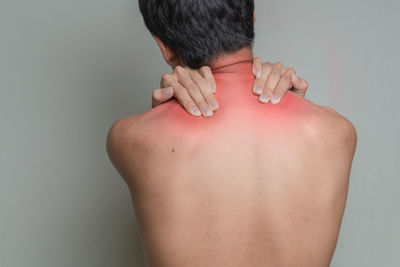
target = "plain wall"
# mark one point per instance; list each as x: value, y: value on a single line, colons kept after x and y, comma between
x: 69, y: 69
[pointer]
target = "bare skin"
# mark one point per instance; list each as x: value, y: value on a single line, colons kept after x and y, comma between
x: 254, y: 185
x: 194, y: 88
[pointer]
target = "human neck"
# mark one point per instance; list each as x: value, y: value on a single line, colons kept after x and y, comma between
x: 234, y: 79
x: 237, y: 62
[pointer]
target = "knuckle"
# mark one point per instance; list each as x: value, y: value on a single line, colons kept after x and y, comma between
x: 268, y: 88
x: 203, y: 104
x: 267, y: 91
x: 179, y: 69
x: 275, y: 75
x: 166, y: 77
x: 281, y: 88
x: 155, y: 94
x: 187, y: 102
x: 199, y: 100
x: 180, y: 93
x: 257, y: 60
x: 210, y: 98
x: 290, y: 71
x: 267, y: 67
x: 279, y: 64
x: 205, y: 69
x: 201, y: 82
x: 192, y: 87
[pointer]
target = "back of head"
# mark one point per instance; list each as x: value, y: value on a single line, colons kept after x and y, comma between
x: 199, y: 30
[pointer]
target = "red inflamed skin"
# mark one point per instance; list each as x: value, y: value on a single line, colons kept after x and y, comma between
x: 239, y: 106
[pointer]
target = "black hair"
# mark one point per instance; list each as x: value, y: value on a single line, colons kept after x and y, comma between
x: 199, y: 30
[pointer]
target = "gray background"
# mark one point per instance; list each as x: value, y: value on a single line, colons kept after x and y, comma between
x: 68, y: 69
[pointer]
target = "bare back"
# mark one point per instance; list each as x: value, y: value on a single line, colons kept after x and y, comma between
x: 254, y: 185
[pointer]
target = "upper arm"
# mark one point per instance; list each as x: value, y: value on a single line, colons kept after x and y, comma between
x: 332, y: 141
x: 330, y: 146
x: 350, y: 135
x: 114, y: 139
x: 121, y: 145
x: 344, y: 130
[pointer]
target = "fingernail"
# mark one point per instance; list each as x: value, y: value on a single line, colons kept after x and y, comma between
x: 295, y: 78
x: 275, y: 99
x: 212, y: 87
x: 167, y: 92
x: 259, y: 89
x: 207, y: 112
x: 264, y: 98
x: 196, y: 112
x: 214, y: 105
x: 258, y: 73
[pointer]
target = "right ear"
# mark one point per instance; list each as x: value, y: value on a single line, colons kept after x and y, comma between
x: 169, y: 55
x: 255, y: 17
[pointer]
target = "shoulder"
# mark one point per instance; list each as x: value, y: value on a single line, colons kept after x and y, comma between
x: 332, y: 130
x: 324, y: 123
x: 124, y: 142
x: 127, y: 133
x: 121, y: 130
x: 140, y: 133
x: 343, y: 127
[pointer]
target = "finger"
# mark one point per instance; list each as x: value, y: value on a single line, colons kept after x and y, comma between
x: 278, y: 66
x: 284, y: 84
x: 259, y: 83
x: 207, y: 74
x: 185, y: 100
x: 257, y: 67
x: 167, y: 79
x: 300, y: 85
x: 194, y: 91
x: 267, y: 94
x: 204, y: 89
x: 181, y: 94
x: 162, y: 95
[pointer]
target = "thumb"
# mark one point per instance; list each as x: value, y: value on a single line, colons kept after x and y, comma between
x: 300, y: 86
x: 161, y: 95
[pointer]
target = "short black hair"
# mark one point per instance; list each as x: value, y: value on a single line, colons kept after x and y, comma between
x: 198, y: 30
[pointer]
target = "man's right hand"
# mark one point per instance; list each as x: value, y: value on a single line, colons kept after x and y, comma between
x: 194, y: 89
x: 191, y: 87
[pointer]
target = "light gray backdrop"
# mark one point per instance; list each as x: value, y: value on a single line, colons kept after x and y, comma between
x: 68, y: 69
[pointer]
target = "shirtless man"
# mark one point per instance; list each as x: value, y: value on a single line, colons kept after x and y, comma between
x: 254, y: 184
